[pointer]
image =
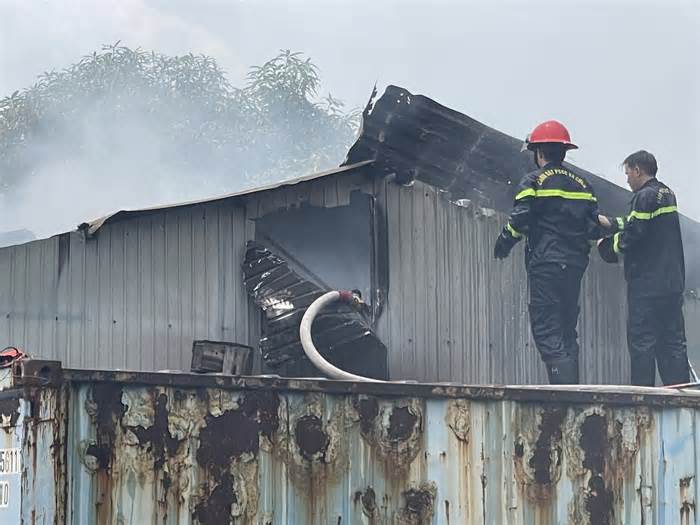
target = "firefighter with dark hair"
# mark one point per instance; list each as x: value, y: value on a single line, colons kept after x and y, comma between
x: 649, y: 241
x: 556, y: 210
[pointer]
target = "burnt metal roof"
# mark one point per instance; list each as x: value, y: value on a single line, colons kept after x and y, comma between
x: 415, y: 138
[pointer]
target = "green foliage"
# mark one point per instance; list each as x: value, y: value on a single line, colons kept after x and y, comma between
x: 121, y: 105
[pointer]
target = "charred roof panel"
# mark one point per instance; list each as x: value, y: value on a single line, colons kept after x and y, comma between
x: 416, y: 138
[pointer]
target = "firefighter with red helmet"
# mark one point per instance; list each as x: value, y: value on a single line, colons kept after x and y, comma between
x: 556, y: 211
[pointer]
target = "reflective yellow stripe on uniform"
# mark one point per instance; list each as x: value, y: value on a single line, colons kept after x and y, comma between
x: 571, y: 195
x: 529, y: 192
x: 645, y: 216
x: 620, y: 223
x: 515, y: 233
x: 616, y: 243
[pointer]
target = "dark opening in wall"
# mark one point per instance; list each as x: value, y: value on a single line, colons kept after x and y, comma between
x: 298, y: 255
x: 331, y: 246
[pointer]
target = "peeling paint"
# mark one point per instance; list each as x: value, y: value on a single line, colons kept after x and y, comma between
x: 687, y: 497
x: 458, y: 418
x: 158, y: 436
x: 595, y: 445
x: 602, y: 447
x: 367, y: 409
x: 9, y: 412
x: 538, y: 454
x: 107, y: 409
x: 311, y: 438
x: 418, y: 505
x: 368, y: 500
x: 402, y: 423
x: 395, y: 432
x: 546, y: 459
x: 233, y: 436
x: 256, y: 456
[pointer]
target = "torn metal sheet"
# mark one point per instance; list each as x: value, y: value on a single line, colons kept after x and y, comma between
x: 341, y: 334
x: 416, y: 138
x: 412, y: 137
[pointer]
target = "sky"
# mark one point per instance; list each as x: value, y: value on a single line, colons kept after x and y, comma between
x: 622, y: 75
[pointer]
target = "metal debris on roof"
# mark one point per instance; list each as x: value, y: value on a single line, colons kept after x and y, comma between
x: 416, y: 138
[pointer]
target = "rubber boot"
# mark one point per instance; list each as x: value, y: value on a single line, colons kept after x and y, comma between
x: 674, y: 369
x: 563, y: 371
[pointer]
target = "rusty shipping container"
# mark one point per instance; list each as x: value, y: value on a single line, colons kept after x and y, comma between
x: 114, y: 447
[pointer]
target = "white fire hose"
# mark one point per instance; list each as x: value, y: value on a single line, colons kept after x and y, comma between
x: 307, y: 343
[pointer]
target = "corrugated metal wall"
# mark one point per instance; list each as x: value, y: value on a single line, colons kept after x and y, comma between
x: 142, y: 289
x: 177, y: 449
x: 456, y: 314
x: 135, y: 296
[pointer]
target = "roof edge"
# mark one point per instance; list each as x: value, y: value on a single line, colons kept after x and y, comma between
x: 92, y: 227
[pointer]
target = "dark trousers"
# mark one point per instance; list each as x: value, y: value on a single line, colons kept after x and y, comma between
x: 554, y: 308
x: 656, y: 337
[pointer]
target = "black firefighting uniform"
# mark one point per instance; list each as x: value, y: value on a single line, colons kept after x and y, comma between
x: 556, y: 210
x: 649, y: 241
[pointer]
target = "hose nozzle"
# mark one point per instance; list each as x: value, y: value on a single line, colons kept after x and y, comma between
x: 354, y: 299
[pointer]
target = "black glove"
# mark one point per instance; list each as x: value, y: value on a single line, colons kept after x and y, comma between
x: 605, y: 249
x: 504, y: 244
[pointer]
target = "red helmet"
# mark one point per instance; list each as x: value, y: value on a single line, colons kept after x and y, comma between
x: 550, y: 131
